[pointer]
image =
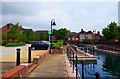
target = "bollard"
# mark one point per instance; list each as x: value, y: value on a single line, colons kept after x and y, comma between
x: 29, y: 54
x: 97, y: 74
x: 18, y: 57
x: 82, y: 69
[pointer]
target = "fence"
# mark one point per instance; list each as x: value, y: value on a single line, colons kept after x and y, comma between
x: 73, y: 60
x: 112, y: 48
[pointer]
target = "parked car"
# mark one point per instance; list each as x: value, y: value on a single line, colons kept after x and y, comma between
x: 39, y: 45
x: 47, y: 42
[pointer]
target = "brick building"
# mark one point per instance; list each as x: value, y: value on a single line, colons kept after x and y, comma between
x: 73, y: 37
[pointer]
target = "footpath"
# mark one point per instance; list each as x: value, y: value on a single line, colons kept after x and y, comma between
x: 52, y: 66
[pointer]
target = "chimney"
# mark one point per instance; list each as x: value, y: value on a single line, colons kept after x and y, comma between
x: 81, y: 30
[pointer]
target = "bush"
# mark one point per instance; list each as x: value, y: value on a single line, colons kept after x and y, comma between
x: 15, y: 44
x: 3, y: 43
x: 54, y: 41
x: 64, y: 43
x: 55, y: 46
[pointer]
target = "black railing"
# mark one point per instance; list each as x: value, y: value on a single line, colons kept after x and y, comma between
x: 73, y: 59
x: 111, y: 48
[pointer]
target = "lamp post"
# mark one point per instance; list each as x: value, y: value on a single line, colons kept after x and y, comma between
x: 52, y: 24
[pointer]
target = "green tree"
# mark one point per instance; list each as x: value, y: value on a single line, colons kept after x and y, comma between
x: 42, y: 36
x: 32, y: 36
x: 14, y: 32
x: 60, y: 34
x: 111, y: 32
x: 4, y: 36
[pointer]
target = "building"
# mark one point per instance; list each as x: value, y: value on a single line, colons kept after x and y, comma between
x: 73, y: 37
x: 44, y: 35
x: 5, y: 28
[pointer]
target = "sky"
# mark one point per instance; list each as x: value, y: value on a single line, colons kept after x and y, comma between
x: 73, y: 14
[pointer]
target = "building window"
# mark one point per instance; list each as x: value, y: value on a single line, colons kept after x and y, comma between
x: 68, y: 38
x: 90, y: 36
x: 76, y: 38
x: 82, y: 37
x: 73, y: 38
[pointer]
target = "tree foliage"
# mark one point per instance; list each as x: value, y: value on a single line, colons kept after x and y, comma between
x: 4, y: 36
x: 42, y: 36
x: 60, y: 34
x: 14, y: 32
x: 111, y: 32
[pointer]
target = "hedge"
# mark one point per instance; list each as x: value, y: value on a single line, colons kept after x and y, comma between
x: 15, y: 44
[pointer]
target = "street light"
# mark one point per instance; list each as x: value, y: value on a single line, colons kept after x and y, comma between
x: 52, y: 24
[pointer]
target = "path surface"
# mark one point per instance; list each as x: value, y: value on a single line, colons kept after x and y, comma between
x: 9, y: 50
x: 52, y: 66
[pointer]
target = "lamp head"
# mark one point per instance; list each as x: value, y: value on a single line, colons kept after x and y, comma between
x: 54, y: 24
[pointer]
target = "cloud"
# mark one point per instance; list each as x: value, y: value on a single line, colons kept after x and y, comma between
x: 74, y: 16
x: 59, y: 0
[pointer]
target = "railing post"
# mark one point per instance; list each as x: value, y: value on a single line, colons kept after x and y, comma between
x: 70, y: 59
x: 18, y: 57
x: 73, y: 62
x: 93, y: 50
x: 82, y: 69
x: 76, y: 66
x: 29, y: 54
x: 97, y: 74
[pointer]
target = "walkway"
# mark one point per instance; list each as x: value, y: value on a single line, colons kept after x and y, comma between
x: 52, y: 66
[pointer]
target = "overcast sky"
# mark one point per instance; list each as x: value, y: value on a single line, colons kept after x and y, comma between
x: 73, y: 15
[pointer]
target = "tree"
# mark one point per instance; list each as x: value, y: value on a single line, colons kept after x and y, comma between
x: 111, y: 32
x: 14, y: 32
x: 42, y: 36
x: 60, y: 34
x: 32, y: 36
x: 4, y: 36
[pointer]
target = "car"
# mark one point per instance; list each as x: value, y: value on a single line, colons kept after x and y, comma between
x: 39, y: 45
x: 47, y: 42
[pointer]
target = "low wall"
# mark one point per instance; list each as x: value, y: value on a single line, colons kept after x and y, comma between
x: 24, y: 69
x: 57, y: 51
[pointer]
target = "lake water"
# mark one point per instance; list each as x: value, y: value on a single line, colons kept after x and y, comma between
x: 107, y: 65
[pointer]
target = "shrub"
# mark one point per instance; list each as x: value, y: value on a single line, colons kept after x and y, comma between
x: 15, y: 44
x: 3, y: 43
x: 64, y: 43
x: 55, y: 46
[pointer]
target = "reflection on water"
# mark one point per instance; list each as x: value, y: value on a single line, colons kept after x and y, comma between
x: 107, y: 65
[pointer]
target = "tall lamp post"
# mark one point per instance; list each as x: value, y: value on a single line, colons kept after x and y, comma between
x: 52, y: 24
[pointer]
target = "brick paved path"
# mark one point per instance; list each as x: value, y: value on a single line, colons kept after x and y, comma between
x: 52, y: 66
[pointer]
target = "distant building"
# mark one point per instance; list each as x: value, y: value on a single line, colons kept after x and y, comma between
x: 73, y: 37
x: 5, y: 28
x: 46, y: 35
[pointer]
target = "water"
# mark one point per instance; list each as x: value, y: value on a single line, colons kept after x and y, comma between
x: 107, y: 65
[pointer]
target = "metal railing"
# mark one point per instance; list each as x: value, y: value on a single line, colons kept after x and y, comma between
x: 73, y: 60
x: 111, y: 48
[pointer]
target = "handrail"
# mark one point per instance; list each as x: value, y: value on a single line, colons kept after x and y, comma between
x: 71, y: 49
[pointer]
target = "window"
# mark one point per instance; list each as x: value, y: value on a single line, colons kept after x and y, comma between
x: 90, y: 36
x: 68, y: 38
x: 82, y: 37
x: 73, y: 38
